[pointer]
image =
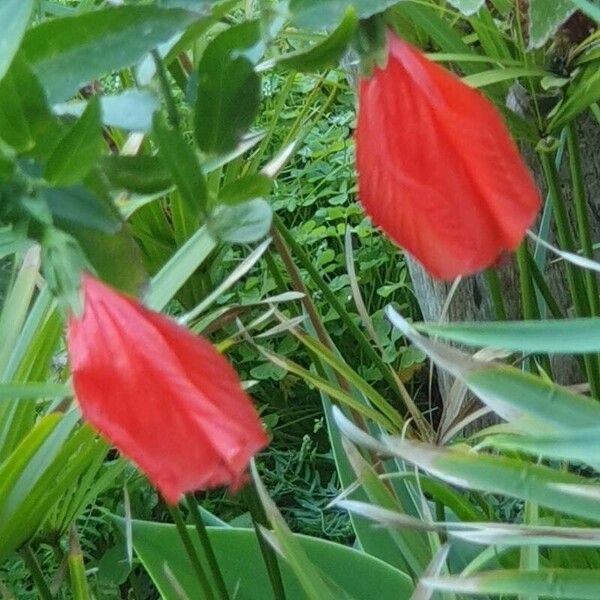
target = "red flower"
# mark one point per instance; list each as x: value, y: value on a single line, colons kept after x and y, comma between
x: 164, y: 397
x: 437, y: 169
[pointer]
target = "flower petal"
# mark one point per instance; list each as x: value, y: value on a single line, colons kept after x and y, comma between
x: 165, y: 398
x: 437, y: 168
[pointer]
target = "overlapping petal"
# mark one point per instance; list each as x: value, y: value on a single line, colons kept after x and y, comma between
x: 437, y: 169
x: 164, y: 397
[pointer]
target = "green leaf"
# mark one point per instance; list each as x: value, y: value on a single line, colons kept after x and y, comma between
x: 14, y: 16
x: 182, y: 162
x: 572, y: 336
x: 558, y: 584
x: 26, y: 122
x: 513, y: 477
x: 467, y: 7
x: 241, y: 223
x: 33, y: 391
x: 137, y: 174
x: 161, y: 552
x: 581, y: 94
x: 590, y: 8
x: 67, y: 53
x: 245, y: 188
x: 545, y: 17
x: 11, y: 240
x: 133, y: 110
x: 325, y: 14
x: 511, y: 393
x: 326, y: 53
x: 79, y: 206
x: 77, y: 151
x: 168, y: 281
x: 228, y: 94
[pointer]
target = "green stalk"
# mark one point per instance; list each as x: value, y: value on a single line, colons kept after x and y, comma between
x: 495, y: 289
x: 543, y: 288
x: 79, y: 585
x: 30, y: 560
x: 270, y: 558
x: 576, y: 287
x: 583, y: 223
x: 528, y: 299
x: 529, y: 302
x: 191, y: 552
x: 353, y: 329
x: 207, y: 547
x: 166, y: 90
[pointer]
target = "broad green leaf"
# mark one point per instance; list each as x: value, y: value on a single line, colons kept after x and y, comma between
x: 182, y: 162
x: 325, y: 14
x: 484, y: 78
x: 545, y: 17
x: 26, y: 122
x: 500, y: 475
x: 161, y: 552
x: 413, y: 547
x: 326, y: 53
x: 77, y: 151
x: 16, y: 303
x: 14, y: 16
x: 228, y: 94
x: 582, y: 93
x: 313, y: 581
x: 245, y: 188
x: 97, y: 226
x: 558, y: 584
x: 77, y: 205
x: 67, y: 53
x: 467, y: 7
x: 589, y: 7
x: 34, y: 391
x: 241, y: 223
x: 132, y: 110
x: 572, y: 336
x: 506, y: 390
x: 578, y: 446
x: 11, y: 240
x: 138, y: 174
x: 168, y: 281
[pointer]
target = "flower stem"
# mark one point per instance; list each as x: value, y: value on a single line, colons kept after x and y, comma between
x: 30, y: 560
x: 191, y: 552
x: 259, y: 518
x: 207, y: 547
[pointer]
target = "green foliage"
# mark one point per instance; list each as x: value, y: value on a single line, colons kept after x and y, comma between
x: 247, y: 126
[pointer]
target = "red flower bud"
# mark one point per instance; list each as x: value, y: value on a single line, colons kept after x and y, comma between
x: 165, y: 398
x: 437, y: 169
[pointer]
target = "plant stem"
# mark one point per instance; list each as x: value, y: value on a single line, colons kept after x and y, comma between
x: 583, y: 223
x: 207, y: 547
x: 79, y: 585
x: 166, y: 90
x: 269, y: 556
x: 495, y: 289
x: 353, y: 329
x: 578, y: 295
x: 528, y: 299
x: 542, y: 286
x: 191, y: 552
x: 30, y: 559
